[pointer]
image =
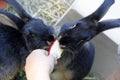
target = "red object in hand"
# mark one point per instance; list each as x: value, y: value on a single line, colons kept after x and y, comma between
x: 3, y: 4
x: 51, y: 46
x: 54, y: 49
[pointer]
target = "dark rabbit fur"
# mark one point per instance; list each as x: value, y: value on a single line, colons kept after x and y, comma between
x: 19, y: 36
x: 78, y: 52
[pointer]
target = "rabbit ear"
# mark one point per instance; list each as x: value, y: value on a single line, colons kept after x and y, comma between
x: 108, y: 24
x: 19, y: 9
x: 11, y: 20
x: 101, y: 11
x: 7, y: 21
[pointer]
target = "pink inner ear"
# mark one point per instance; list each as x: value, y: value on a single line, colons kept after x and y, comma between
x: 51, y: 47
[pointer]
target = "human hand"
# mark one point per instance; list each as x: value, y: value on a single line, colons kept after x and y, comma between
x: 39, y: 65
x: 3, y: 4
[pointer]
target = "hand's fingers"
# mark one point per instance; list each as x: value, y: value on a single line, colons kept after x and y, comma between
x: 36, y: 55
x: 40, y: 51
x: 51, y: 63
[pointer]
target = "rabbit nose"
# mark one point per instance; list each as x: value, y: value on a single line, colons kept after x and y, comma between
x: 51, y: 38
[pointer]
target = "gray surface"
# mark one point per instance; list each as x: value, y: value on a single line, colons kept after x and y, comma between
x: 106, y: 57
x: 70, y: 16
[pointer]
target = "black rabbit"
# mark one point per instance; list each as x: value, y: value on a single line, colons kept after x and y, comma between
x: 78, y: 52
x: 18, y: 37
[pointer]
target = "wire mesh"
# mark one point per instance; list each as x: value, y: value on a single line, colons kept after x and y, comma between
x: 48, y: 10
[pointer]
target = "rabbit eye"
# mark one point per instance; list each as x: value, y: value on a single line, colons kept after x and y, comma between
x: 81, y: 41
x: 31, y: 35
x: 73, y: 26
